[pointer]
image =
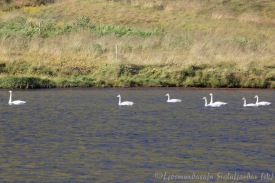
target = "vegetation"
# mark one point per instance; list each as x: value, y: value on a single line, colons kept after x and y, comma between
x: 188, y: 43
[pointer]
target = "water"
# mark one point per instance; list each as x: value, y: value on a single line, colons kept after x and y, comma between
x: 81, y: 135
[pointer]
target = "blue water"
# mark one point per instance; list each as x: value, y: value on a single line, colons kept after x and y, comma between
x: 82, y: 135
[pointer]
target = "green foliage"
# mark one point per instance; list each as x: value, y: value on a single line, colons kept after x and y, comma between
x: 25, y: 82
x: 130, y: 75
x: 233, y: 79
x: 82, y: 21
x: 101, y: 30
x: 43, y: 29
x: 129, y: 69
x: 43, y: 71
x: 78, y: 81
x: 14, y: 68
x: 48, y: 28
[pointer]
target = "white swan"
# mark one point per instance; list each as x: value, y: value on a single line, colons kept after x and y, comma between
x: 248, y: 105
x: 16, y: 102
x: 205, y: 103
x: 216, y: 103
x: 125, y: 102
x: 211, y: 104
x: 261, y: 103
x: 172, y: 100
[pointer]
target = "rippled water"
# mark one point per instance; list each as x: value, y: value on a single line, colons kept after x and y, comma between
x: 81, y: 135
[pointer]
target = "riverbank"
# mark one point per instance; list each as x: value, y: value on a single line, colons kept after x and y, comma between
x: 99, y: 43
x: 130, y: 75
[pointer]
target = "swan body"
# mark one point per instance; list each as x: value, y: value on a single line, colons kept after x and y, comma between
x: 215, y: 104
x: 218, y: 103
x: 263, y: 103
x: 16, y: 102
x: 172, y: 100
x: 124, y: 102
x: 248, y: 105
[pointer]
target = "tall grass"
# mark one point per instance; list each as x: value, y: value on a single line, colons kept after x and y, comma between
x: 229, y: 41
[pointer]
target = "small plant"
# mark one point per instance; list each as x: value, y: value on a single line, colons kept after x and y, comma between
x: 82, y: 21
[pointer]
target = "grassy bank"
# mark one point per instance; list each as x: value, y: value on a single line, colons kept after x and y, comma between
x: 160, y: 43
x: 130, y: 75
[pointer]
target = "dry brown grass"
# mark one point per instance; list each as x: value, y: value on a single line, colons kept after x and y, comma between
x: 193, y: 35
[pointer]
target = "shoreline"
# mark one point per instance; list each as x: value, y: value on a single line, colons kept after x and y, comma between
x: 136, y: 76
x: 137, y: 88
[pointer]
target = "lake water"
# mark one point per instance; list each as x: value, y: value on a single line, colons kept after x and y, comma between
x: 81, y: 135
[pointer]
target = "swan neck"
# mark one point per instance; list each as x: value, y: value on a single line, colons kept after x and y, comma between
x: 205, y: 103
x: 244, y: 102
x: 257, y: 99
x: 211, y: 100
x: 10, y: 100
x: 168, y: 97
x: 119, y: 100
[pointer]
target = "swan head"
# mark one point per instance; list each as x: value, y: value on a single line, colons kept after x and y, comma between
x: 10, y: 91
x: 243, y: 98
x: 204, y: 98
x: 118, y: 96
x: 256, y: 96
x: 167, y: 94
x: 210, y: 94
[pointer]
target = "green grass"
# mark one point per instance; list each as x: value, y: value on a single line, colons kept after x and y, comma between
x: 25, y: 82
x: 132, y: 75
x: 47, y: 28
x: 218, y: 43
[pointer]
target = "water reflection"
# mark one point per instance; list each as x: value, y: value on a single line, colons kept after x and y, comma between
x: 81, y: 135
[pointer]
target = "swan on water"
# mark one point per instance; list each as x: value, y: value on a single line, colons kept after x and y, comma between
x: 216, y: 103
x: 262, y: 102
x: 172, y: 100
x: 248, y: 105
x: 124, y: 102
x: 16, y: 102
